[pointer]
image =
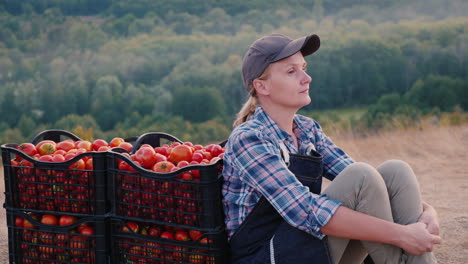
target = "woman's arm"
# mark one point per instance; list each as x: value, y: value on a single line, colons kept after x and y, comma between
x: 414, y: 238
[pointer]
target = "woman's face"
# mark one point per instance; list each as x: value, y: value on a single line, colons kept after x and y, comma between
x: 287, y: 83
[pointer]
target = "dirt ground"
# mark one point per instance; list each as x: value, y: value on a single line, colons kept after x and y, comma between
x: 439, y: 157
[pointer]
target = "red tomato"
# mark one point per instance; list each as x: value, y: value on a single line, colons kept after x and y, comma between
x: 46, y: 158
x: 207, y: 155
x: 198, y: 147
x: 160, y: 157
x: 163, y: 166
x: 175, y: 143
x: 79, y: 165
x: 49, y: 219
x: 162, y: 150
x: 126, y: 145
x: 61, y: 152
x: 154, y: 231
x: 84, y: 144
x: 81, y: 226
x: 28, y: 149
x: 115, y: 142
x: 89, y: 164
x: 188, y: 143
x: 182, y: 236
x: 97, y: 143
x: 167, y: 235
x: 133, y: 227
x: 66, y: 220
x: 195, y: 234
x: 19, y: 221
x: 69, y: 156
x: 87, y: 230
x: 215, y: 149
x: 66, y: 145
x: 182, y: 164
x: 146, y: 156
x: 58, y: 157
x: 180, y: 153
x: 103, y: 148
x: 27, y: 224
x: 197, y: 156
x: 26, y: 163
x: 46, y: 147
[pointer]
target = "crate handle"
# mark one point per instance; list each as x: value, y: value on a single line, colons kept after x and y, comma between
x: 54, y: 135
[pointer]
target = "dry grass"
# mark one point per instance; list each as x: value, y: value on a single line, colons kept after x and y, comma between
x: 439, y: 157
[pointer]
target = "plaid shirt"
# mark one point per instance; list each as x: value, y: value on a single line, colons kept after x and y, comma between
x: 253, y: 167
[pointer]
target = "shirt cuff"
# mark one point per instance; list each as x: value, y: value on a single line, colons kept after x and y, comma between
x: 321, y: 213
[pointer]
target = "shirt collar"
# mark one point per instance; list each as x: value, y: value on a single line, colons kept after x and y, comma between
x: 272, y: 128
x: 269, y: 124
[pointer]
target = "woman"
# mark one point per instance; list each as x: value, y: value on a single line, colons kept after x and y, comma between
x: 273, y: 166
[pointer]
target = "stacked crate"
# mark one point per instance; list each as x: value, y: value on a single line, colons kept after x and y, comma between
x: 36, y: 188
x: 189, y: 211
x: 136, y: 215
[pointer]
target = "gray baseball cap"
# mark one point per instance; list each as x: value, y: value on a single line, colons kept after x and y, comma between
x: 273, y: 48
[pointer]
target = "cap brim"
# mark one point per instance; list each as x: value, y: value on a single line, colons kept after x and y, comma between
x: 307, y: 45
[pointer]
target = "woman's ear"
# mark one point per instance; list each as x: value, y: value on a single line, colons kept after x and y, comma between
x: 260, y: 87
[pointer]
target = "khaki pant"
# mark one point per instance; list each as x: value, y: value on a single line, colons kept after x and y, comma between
x: 390, y: 192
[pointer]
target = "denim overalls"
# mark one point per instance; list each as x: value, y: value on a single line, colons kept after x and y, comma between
x: 265, y: 237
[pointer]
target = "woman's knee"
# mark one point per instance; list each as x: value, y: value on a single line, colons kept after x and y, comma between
x: 396, y: 170
x: 398, y: 174
x: 362, y: 172
x: 362, y: 175
x: 394, y: 166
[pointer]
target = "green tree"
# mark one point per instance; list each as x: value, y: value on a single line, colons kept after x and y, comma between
x: 26, y: 125
x: 435, y: 91
x: 198, y: 104
x: 72, y: 121
x: 106, y: 99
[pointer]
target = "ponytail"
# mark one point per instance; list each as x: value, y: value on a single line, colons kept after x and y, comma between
x: 246, y: 111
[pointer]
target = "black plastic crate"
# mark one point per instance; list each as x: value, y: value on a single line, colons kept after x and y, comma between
x: 54, y: 187
x: 44, y: 243
x: 134, y: 247
x: 165, y: 198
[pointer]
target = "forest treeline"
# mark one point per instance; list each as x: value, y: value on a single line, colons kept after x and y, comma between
x: 123, y: 68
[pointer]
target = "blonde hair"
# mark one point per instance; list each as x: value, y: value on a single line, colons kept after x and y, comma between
x: 248, y: 109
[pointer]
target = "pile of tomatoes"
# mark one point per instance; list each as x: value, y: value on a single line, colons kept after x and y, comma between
x: 169, y: 158
x: 163, y: 243
x: 57, y: 188
x: 74, y: 244
x: 173, y: 199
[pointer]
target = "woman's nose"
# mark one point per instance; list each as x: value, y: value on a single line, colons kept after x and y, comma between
x: 306, y: 78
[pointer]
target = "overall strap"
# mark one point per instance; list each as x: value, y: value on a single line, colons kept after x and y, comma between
x: 285, y: 152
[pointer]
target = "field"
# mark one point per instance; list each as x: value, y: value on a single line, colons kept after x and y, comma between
x: 439, y: 157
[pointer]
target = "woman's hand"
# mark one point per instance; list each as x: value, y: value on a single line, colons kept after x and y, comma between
x: 416, y: 239
x: 429, y: 217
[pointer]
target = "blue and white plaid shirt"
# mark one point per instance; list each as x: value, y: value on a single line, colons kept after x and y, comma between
x: 253, y: 168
